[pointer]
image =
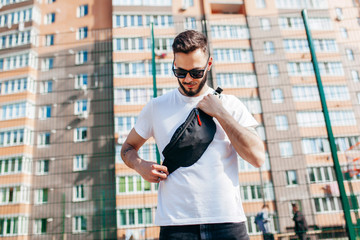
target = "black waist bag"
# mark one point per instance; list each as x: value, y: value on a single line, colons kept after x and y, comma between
x: 189, y: 141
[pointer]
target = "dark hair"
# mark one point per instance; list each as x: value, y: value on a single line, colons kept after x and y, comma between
x: 190, y: 40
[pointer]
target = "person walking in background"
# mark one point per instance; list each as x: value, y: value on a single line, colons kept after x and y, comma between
x: 201, y: 200
x: 262, y: 220
x: 300, y: 222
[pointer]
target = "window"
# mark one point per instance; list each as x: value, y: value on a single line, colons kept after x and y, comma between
x: 296, y: 45
x: 230, y: 32
x: 126, y: 69
x: 82, y: 33
x: 260, y: 4
x: 80, y: 162
x: 255, y: 192
x: 15, y: 165
x: 49, y: 39
x: 46, y: 86
x: 127, y: 21
x: 14, y: 194
x: 358, y: 97
x: 300, y: 69
x: 44, y: 139
x: 236, y: 80
x: 187, y: 3
x: 286, y: 149
x: 16, y: 39
x: 81, y: 107
x: 273, y: 70
x: 331, y: 68
x: 161, y: 45
x: 265, y: 24
x: 325, y: 45
x: 328, y: 204
x: 160, y: 20
x: 311, y: 93
x: 79, y: 224
x: 134, y: 217
x: 45, y: 112
x: 261, y: 132
x: 81, y: 57
x: 339, y: 13
x: 82, y: 11
x: 79, y: 193
x: 40, y: 226
x: 18, y: 61
x: 80, y: 134
x: 291, y: 178
x: 50, y: 1
x: 16, y: 85
x: 355, y: 76
x: 41, y: 196
x: 269, y: 47
x: 350, y: 54
x: 124, y: 124
x: 277, y: 96
x: 17, y: 110
x: 294, y: 23
x: 81, y: 81
x: 49, y: 18
x: 12, y: 137
x: 233, y: 55
x: 42, y: 167
x: 321, y: 174
x: 316, y: 119
x: 189, y: 23
x: 344, y: 33
x: 133, y: 185
x: 11, y: 226
x: 343, y: 143
x: 281, y: 122
x: 291, y: 4
x: 133, y: 44
x: 47, y: 64
x: 15, y: 17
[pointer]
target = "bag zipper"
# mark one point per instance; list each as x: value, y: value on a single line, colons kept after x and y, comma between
x: 198, y: 116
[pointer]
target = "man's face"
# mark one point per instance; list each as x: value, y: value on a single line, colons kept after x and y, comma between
x: 197, y: 59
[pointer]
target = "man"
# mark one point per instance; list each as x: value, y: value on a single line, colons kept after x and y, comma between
x: 201, y: 201
x: 300, y: 222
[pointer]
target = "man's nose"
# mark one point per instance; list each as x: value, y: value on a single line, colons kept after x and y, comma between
x: 188, y: 78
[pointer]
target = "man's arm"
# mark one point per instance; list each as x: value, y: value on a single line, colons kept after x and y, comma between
x: 150, y: 171
x: 247, y: 144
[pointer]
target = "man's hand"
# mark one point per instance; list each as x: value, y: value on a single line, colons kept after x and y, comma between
x: 211, y: 105
x: 246, y: 143
x: 151, y: 171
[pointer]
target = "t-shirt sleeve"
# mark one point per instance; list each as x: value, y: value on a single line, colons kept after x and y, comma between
x: 240, y: 113
x: 144, y: 122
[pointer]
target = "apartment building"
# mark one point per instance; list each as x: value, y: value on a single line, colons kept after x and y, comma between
x: 74, y: 75
x: 57, y: 151
x: 261, y: 56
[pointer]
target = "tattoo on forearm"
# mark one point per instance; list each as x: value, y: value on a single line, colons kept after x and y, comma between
x: 127, y: 150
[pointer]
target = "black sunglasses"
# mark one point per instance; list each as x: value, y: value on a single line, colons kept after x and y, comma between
x: 194, y: 73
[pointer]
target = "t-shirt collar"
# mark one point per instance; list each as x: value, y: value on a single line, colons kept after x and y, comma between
x: 193, y: 99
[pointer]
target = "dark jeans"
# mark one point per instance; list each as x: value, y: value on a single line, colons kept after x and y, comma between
x: 223, y: 231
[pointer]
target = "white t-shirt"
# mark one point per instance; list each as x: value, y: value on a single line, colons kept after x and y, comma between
x: 207, y: 191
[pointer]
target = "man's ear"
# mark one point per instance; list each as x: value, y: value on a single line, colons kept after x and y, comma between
x: 210, y: 63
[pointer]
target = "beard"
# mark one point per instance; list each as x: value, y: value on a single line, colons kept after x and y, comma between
x: 191, y: 93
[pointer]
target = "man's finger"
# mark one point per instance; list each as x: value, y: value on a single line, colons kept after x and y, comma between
x: 160, y: 168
